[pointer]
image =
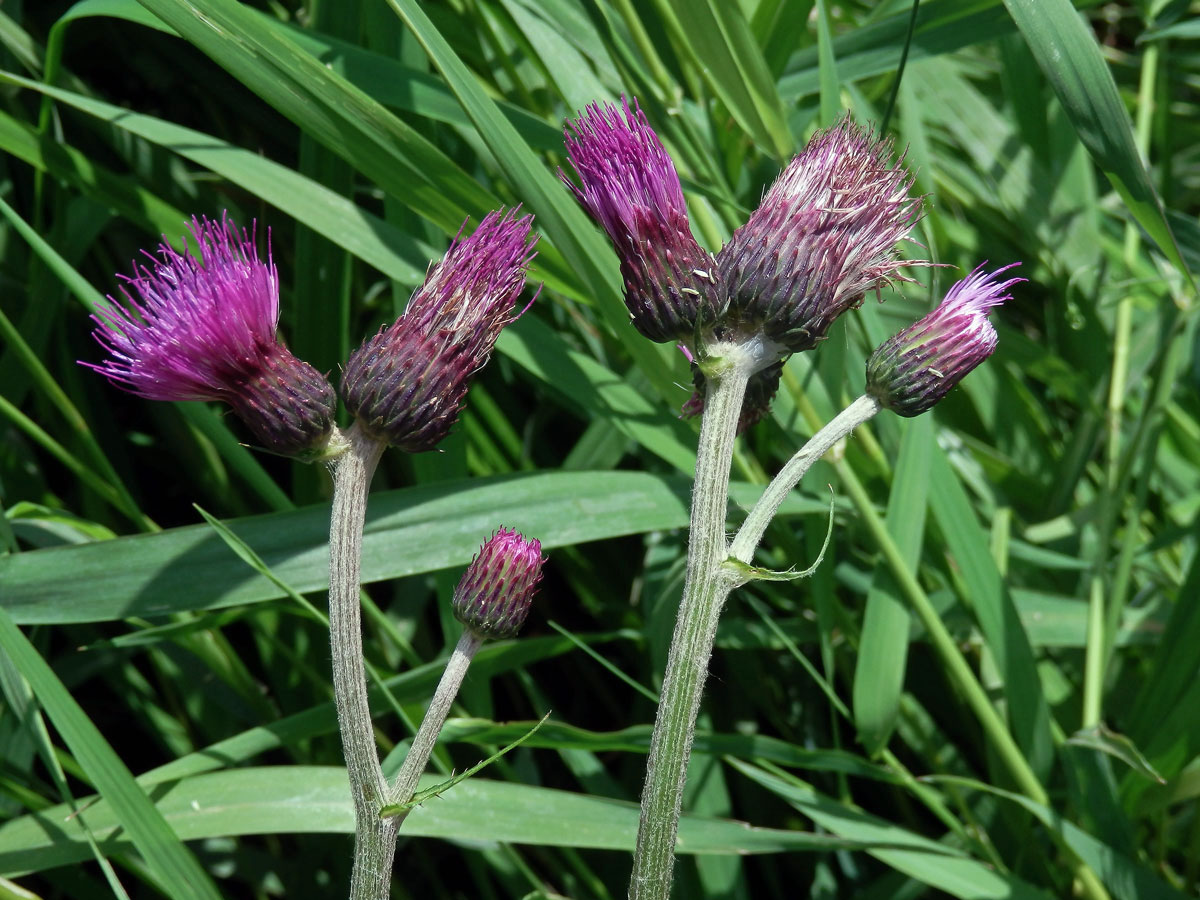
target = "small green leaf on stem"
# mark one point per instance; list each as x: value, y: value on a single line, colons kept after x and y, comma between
x: 744, y: 572
x: 396, y: 809
x: 1118, y: 746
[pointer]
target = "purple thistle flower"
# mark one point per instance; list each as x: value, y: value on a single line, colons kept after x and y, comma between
x: 824, y: 234
x: 205, y: 330
x: 629, y: 186
x: 493, y: 597
x: 913, y: 370
x: 406, y: 385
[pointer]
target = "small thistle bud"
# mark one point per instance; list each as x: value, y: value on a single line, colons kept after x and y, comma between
x: 629, y: 186
x: 406, y: 385
x: 824, y: 234
x: 205, y: 330
x: 493, y: 597
x: 760, y: 391
x: 916, y: 368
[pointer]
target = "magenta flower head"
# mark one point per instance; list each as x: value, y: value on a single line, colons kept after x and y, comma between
x: 406, y: 385
x: 629, y: 185
x: 493, y: 597
x: 824, y: 234
x: 916, y: 368
x: 205, y: 330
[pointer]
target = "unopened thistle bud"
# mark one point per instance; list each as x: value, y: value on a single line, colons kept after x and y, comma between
x: 206, y: 330
x: 493, y: 597
x: 406, y: 385
x: 824, y: 235
x: 629, y: 185
x: 916, y: 368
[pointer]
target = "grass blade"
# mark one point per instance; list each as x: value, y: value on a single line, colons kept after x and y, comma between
x: 171, y: 863
x: 1071, y: 60
x: 883, y: 645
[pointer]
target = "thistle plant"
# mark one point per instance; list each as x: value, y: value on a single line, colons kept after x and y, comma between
x: 913, y: 370
x: 405, y: 387
x: 823, y: 238
x: 206, y: 330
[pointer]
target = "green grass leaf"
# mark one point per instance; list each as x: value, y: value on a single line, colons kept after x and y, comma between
x: 419, y: 529
x: 1070, y: 59
x: 720, y: 41
x: 559, y: 217
x: 313, y: 799
x: 129, y: 809
x: 883, y: 643
x: 929, y: 862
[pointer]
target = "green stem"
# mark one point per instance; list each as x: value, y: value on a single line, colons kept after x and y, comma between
x: 704, y: 592
x: 49, y: 386
x: 405, y: 784
x: 960, y: 672
x: 103, y: 489
x: 374, y: 838
x: 1100, y: 594
x: 752, y: 530
x: 645, y: 46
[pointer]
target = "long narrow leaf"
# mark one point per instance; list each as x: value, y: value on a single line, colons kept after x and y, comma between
x: 1071, y: 60
x: 130, y: 809
x: 419, y: 529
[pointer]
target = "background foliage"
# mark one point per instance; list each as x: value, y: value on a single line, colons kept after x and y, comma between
x: 1048, y: 508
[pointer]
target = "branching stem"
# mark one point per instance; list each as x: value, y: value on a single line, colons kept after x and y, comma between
x: 706, y: 587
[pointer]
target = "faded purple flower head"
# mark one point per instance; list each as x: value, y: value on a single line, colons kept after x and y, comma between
x: 406, y: 385
x: 824, y: 234
x: 629, y: 185
x: 493, y: 597
x: 205, y: 330
x: 913, y: 370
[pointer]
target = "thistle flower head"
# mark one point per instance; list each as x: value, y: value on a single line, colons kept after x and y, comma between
x: 913, y: 370
x: 406, y: 385
x: 629, y: 185
x: 493, y: 596
x: 824, y: 234
x: 205, y: 330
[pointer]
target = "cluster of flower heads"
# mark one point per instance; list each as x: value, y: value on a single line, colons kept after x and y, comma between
x: 205, y: 329
x: 824, y: 236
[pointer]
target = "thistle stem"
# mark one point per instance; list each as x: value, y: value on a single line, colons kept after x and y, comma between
x: 374, y: 838
x: 405, y: 783
x: 752, y: 530
x: 704, y: 592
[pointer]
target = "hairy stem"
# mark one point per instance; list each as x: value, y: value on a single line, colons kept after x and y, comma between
x: 704, y: 592
x: 405, y: 784
x: 752, y: 530
x: 374, y: 838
